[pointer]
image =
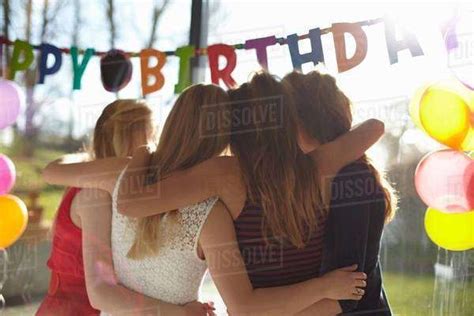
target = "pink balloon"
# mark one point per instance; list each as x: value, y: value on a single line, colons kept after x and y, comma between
x: 10, y: 103
x: 444, y: 180
x: 7, y: 174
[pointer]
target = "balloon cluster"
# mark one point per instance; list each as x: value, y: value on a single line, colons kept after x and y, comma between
x: 13, y: 212
x: 444, y: 179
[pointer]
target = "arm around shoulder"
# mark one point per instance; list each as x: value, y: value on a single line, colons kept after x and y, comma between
x: 213, y: 177
x: 73, y: 171
x: 334, y: 155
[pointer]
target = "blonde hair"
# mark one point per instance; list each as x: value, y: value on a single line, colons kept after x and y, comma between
x: 277, y: 174
x: 122, y: 126
x: 325, y: 113
x: 186, y: 140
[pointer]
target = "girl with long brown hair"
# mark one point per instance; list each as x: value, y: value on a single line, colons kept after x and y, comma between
x: 168, y: 253
x: 361, y: 199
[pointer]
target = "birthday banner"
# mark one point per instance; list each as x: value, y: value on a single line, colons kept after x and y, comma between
x: 116, y: 68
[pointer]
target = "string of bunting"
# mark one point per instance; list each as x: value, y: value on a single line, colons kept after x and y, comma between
x: 116, y: 68
x: 199, y: 51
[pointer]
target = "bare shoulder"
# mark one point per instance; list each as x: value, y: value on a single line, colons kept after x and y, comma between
x: 219, y: 219
x: 90, y: 200
x: 230, y: 184
x: 220, y: 211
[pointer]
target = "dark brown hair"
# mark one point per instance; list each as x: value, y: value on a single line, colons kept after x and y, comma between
x: 278, y: 175
x: 324, y: 112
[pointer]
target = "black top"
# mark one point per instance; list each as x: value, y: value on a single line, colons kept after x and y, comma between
x: 353, y: 233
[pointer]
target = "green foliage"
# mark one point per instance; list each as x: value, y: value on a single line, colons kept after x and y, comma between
x: 50, y: 200
x: 29, y: 176
x: 412, y: 294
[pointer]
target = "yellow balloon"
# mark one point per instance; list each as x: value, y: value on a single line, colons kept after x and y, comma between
x: 13, y: 219
x: 414, y: 106
x: 446, y: 116
x: 458, y: 88
x: 451, y: 231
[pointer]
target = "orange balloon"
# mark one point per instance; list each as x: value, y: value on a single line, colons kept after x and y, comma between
x: 13, y: 219
x: 446, y: 116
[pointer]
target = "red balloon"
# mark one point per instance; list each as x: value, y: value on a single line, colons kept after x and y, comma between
x: 444, y: 180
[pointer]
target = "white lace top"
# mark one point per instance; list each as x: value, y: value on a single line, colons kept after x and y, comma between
x: 175, y: 274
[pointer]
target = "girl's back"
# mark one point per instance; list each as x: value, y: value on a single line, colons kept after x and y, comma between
x: 275, y: 263
x: 174, y: 274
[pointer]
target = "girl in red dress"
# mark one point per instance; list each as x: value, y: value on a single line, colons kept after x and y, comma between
x: 67, y: 293
x: 67, y: 289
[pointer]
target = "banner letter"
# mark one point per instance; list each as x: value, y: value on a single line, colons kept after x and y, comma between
x: 152, y: 71
x: 213, y: 52
x: 339, y: 30
x: 78, y: 69
x: 185, y: 54
x: 409, y: 41
x: 44, y: 70
x: 20, y: 48
x: 316, y: 55
x: 260, y: 45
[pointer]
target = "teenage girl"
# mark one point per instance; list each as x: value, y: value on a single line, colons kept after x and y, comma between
x: 362, y: 201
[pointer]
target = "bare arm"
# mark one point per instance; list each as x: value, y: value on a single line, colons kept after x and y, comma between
x: 218, y: 242
x: 349, y: 147
x: 75, y: 171
x: 218, y: 176
x: 105, y: 294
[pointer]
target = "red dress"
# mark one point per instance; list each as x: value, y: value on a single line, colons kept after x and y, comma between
x: 67, y: 294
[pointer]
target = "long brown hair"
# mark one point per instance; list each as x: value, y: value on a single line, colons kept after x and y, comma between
x: 278, y: 175
x: 123, y: 125
x: 325, y: 113
x: 190, y: 136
